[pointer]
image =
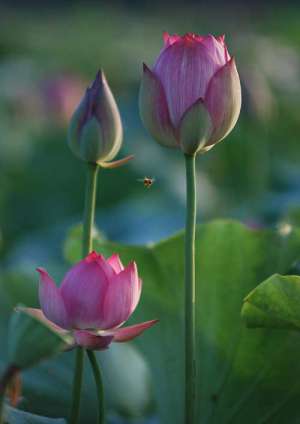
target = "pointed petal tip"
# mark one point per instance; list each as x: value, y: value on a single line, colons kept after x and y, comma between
x: 166, y: 37
x: 146, y: 68
x: 41, y: 271
x: 93, y: 256
x: 221, y: 38
x: 99, y: 78
x: 100, y: 74
x: 116, y: 163
x: 115, y: 262
x: 132, y: 266
x: 126, y: 334
x: 115, y: 256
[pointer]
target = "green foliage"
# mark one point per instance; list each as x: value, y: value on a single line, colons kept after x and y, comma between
x: 238, y: 367
x: 17, y: 416
x: 30, y: 340
x: 275, y: 303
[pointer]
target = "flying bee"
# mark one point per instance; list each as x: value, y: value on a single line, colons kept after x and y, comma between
x: 147, y: 181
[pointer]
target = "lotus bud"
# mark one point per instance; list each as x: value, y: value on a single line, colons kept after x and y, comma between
x: 95, y: 131
x: 191, y: 98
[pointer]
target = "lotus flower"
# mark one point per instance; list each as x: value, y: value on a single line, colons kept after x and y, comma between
x: 191, y: 98
x: 95, y: 131
x: 96, y: 297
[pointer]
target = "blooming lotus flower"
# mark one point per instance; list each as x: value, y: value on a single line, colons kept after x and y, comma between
x: 95, y: 131
x: 191, y: 98
x: 96, y: 297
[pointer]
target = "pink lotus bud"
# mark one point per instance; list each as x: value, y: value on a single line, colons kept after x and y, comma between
x: 96, y: 297
x: 191, y: 99
x: 95, y: 131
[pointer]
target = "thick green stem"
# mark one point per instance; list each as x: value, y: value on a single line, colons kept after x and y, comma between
x: 87, y: 245
x: 190, y: 293
x: 99, y: 386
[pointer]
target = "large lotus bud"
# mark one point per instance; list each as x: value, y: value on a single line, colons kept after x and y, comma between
x: 191, y: 98
x: 95, y: 131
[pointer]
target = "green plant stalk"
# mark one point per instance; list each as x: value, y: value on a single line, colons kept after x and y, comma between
x: 77, y: 385
x: 190, y: 292
x: 89, y: 208
x: 99, y: 385
x: 87, y: 245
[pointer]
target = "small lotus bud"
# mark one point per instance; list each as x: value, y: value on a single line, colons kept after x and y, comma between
x: 95, y: 131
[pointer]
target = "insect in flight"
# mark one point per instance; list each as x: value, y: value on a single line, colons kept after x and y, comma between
x: 147, y: 181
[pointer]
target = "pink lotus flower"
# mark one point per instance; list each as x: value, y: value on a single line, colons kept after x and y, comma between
x: 96, y: 297
x: 191, y: 98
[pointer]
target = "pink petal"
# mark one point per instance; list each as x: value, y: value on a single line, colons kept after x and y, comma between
x: 115, y: 262
x: 170, y: 39
x: 38, y: 314
x: 154, y: 110
x: 128, y: 333
x: 121, y: 298
x: 51, y: 301
x: 216, y: 48
x: 83, y: 290
x: 92, y: 257
x: 223, y: 101
x: 221, y: 38
x: 185, y: 69
x: 92, y: 341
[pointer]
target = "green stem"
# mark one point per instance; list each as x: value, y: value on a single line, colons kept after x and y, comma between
x: 89, y: 208
x: 190, y: 293
x: 99, y: 385
x: 77, y: 385
x: 87, y: 245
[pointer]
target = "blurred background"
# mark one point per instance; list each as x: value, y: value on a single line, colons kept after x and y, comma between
x: 48, y: 56
x: 49, y: 53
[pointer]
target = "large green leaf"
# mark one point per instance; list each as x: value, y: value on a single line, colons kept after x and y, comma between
x: 275, y: 303
x: 245, y: 376
x: 30, y: 340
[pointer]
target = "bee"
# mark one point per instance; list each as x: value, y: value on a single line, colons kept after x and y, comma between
x: 147, y: 181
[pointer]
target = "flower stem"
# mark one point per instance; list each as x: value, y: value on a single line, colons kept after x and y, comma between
x: 77, y: 385
x: 89, y: 208
x: 99, y: 385
x: 87, y: 245
x: 190, y: 293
